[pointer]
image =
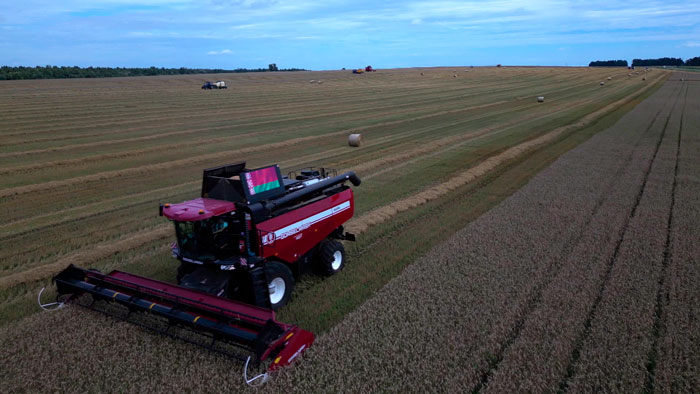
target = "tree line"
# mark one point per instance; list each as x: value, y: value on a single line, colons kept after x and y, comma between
x: 667, y: 61
x: 608, y: 63
x: 51, y: 72
x: 693, y: 62
x: 662, y: 61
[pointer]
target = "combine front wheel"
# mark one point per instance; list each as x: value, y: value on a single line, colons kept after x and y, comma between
x: 280, y: 283
x: 331, y: 257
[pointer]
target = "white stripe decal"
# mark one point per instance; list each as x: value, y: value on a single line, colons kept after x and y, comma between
x: 302, y: 225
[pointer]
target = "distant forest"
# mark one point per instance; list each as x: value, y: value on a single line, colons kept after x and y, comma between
x: 51, y: 72
x: 663, y: 61
x: 608, y: 63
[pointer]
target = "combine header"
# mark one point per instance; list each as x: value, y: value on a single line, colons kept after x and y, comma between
x: 240, y: 246
x: 244, y: 326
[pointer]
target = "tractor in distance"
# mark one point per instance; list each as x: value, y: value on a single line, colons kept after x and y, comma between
x: 215, y: 85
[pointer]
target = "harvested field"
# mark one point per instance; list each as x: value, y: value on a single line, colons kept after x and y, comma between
x: 83, y: 164
x: 83, y: 168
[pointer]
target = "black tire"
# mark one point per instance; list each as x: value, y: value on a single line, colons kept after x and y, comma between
x: 280, y: 283
x: 331, y: 257
x: 184, y: 269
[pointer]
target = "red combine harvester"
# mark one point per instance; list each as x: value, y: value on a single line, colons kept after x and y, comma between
x: 240, y: 246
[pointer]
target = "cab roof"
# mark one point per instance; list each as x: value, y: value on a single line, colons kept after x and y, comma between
x: 197, y: 209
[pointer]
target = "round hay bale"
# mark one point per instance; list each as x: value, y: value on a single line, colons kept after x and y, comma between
x: 355, y: 140
x: 421, y: 73
x: 602, y: 83
x: 609, y: 78
x: 319, y: 81
x: 540, y: 99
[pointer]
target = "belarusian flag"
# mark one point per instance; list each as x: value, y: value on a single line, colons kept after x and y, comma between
x: 262, y: 180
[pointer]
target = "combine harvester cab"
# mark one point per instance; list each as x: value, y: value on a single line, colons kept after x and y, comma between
x: 240, y: 246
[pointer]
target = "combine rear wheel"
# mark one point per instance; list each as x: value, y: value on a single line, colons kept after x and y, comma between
x: 331, y: 257
x: 280, y: 283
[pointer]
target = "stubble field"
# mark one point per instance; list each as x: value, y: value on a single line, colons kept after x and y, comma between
x: 84, y: 163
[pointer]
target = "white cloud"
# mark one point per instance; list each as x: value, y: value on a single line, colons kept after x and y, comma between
x: 221, y: 52
x: 247, y: 26
x: 692, y: 44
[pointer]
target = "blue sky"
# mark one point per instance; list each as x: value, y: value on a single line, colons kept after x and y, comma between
x: 337, y: 33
